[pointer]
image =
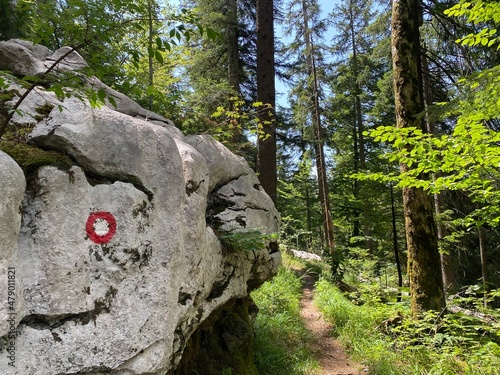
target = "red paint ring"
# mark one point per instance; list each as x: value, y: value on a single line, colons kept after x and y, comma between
x: 89, y: 227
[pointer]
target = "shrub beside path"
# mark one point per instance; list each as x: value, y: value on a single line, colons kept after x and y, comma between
x: 329, y: 352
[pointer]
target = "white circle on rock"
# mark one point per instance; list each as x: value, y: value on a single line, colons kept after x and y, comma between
x: 101, y: 227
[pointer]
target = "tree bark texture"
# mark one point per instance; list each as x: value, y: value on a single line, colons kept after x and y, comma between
x: 424, y: 269
x: 266, y: 93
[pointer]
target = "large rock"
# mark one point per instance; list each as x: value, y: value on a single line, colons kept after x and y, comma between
x: 118, y: 259
x: 124, y: 104
x: 12, y: 186
x: 23, y: 58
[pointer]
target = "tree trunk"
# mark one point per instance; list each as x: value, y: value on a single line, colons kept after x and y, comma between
x: 395, y: 244
x: 266, y: 93
x: 484, y: 270
x: 359, y: 140
x: 318, y: 136
x: 232, y: 46
x: 424, y: 269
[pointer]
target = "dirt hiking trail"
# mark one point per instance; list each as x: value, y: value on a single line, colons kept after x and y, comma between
x: 329, y: 352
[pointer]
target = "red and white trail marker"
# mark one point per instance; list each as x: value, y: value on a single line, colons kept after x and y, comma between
x: 101, y: 227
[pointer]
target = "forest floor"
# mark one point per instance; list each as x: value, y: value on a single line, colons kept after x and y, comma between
x: 329, y: 352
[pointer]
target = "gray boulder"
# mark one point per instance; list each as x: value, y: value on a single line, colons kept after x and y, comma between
x: 118, y: 259
x: 12, y: 186
x: 23, y: 58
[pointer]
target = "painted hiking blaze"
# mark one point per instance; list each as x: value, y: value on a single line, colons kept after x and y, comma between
x: 101, y: 227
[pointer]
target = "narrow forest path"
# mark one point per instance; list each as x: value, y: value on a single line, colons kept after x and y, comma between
x: 330, y: 354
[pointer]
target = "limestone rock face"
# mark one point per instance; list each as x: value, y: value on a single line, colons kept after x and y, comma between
x: 12, y: 186
x: 23, y: 58
x: 118, y: 259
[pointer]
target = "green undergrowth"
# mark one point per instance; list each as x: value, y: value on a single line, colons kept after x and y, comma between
x: 282, y: 343
x: 357, y: 328
x: 384, y: 337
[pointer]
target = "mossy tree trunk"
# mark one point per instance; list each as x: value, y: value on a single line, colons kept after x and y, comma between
x: 424, y: 269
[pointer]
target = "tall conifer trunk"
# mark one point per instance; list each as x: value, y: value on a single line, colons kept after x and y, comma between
x: 319, y: 151
x: 424, y: 269
x: 232, y: 45
x: 358, y: 137
x: 266, y: 93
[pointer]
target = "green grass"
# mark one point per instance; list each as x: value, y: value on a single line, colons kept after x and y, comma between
x: 385, y: 339
x: 282, y: 343
x: 356, y: 327
x: 380, y: 335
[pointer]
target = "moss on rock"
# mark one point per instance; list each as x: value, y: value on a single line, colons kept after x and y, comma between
x: 30, y: 158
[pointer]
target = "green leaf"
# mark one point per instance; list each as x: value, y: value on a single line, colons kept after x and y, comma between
x: 150, y: 90
x: 112, y: 101
x: 101, y: 95
x: 159, y: 43
x: 59, y: 92
x: 159, y: 57
x: 211, y: 33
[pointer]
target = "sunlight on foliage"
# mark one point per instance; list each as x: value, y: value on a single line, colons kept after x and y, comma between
x: 252, y: 240
x: 385, y: 338
x: 234, y: 118
x: 479, y: 12
x: 466, y: 160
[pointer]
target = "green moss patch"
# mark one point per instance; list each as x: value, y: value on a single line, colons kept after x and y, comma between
x: 43, y: 111
x: 30, y: 158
